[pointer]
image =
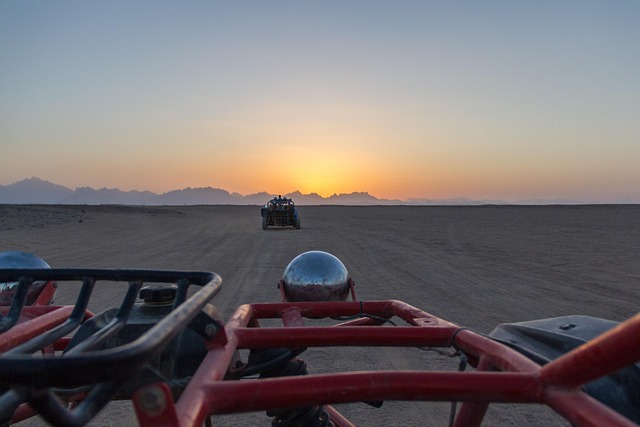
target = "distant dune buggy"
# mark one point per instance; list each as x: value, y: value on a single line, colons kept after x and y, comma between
x: 280, y: 212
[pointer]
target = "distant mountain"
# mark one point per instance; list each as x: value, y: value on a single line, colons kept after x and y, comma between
x: 33, y: 190
x: 549, y: 202
x: 309, y: 199
x: 258, y: 198
x: 361, y: 198
x: 198, y: 196
x: 38, y: 191
x: 89, y: 196
x: 460, y: 201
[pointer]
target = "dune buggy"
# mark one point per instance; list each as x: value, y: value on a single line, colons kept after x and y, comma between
x: 168, y: 351
x: 280, y: 212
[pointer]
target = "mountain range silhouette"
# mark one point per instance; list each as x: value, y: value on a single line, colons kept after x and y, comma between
x: 38, y: 191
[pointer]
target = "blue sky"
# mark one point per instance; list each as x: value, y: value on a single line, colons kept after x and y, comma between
x: 497, y: 99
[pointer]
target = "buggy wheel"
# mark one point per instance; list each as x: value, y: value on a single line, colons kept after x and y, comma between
x: 297, y: 223
x: 264, y: 223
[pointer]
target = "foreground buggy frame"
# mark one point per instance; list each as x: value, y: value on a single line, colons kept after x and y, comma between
x: 79, y: 376
x: 280, y: 212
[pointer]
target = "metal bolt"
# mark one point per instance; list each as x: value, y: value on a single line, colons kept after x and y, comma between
x: 210, y: 330
x: 152, y: 400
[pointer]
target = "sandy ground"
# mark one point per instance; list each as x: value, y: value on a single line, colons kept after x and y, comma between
x: 475, y: 266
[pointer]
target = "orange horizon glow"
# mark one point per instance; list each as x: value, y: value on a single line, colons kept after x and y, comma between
x: 341, y: 165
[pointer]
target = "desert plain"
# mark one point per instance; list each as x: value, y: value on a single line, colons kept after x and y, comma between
x: 476, y: 266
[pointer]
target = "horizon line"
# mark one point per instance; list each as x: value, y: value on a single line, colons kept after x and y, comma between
x: 410, y: 200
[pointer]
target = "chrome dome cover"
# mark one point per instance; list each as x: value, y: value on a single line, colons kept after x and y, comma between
x: 18, y: 260
x: 316, y: 276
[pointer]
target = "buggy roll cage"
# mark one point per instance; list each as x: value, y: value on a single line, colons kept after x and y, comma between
x: 30, y: 385
x: 280, y: 203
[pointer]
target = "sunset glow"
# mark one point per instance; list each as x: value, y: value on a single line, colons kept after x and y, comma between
x: 418, y: 100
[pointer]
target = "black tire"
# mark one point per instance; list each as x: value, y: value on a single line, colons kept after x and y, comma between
x: 264, y: 223
x: 297, y: 223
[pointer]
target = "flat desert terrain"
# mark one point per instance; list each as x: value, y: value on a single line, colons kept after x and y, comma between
x: 474, y: 266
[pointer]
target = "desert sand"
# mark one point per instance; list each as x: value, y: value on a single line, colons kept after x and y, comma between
x: 474, y: 266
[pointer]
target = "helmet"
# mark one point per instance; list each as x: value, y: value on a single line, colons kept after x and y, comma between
x: 17, y: 259
x: 316, y: 276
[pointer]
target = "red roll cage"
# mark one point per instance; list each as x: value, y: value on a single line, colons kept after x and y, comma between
x: 501, y: 374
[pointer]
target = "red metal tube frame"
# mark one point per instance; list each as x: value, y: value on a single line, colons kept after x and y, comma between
x: 513, y: 377
x: 520, y: 379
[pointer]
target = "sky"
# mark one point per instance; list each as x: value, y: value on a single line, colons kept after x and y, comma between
x: 402, y: 99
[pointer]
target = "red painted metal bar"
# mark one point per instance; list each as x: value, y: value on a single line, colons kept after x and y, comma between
x: 153, y: 406
x: 322, y: 336
x: 241, y: 396
x: 31, y: 311
x: 581, y: 410
x: 34, y: 327
x: 61, y: 344
x: 337, y: 418
x: 46, y: 294
x: 607, y: 353
x: 321, y: 309
x: 24, y: 412
x: 361, y: 321
x: 352, y: 288
x: 207, y: 386
x: 283, y: 296
x: 416, y: 316
x: 499, y: 355
x: 292, y: 317
x: 435, y: 332
x: 385, y: 309
x: 193, y: 406
x: 471, y: 414
x: 209, y: 394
